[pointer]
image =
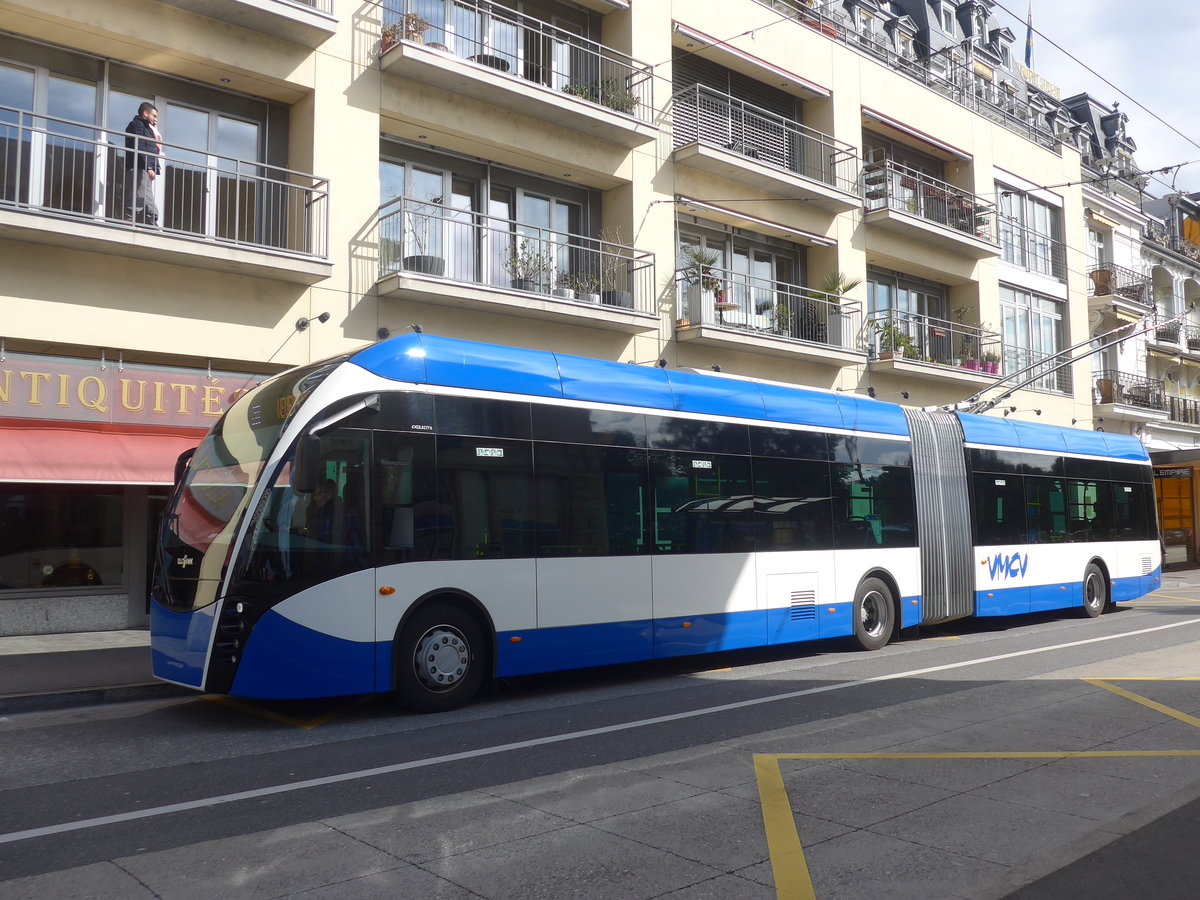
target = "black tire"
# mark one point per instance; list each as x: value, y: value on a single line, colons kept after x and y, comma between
x: 874, y: 614
x: 440, y: 659
x: 1095, y: 591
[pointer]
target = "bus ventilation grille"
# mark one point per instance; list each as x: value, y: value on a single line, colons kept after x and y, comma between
x: 804, y: 605
x: 1147, y: 566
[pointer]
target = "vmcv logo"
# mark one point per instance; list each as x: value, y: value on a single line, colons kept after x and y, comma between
x: 184, y: 561
x: 1007, y: 565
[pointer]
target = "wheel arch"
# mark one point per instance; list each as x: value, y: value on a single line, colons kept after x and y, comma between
x: 465, y: 601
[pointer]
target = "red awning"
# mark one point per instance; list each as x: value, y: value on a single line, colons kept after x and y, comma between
x: 81, y: 453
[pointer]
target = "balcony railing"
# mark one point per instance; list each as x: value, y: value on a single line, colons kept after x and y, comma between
x: 929, y: 339
x: 426, y: 238
x: 1111, y: 386
x: 1112, y: 280
x: 1032, y: 250
x: 702, y: 114
x: 741, y: 302
x: 526, y: 47
x: 1047, y: 377
x: 1163, y: 236
x: 951, y: 77
x: 66, y: 169
x: 1183, y: 410
x: 888, y: 185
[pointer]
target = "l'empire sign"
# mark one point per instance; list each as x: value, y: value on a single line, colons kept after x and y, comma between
x: 89, y: 390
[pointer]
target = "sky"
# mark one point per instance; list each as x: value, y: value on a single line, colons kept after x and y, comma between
x: 1146, y: 49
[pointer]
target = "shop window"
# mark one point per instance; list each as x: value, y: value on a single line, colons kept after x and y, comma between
x: 52, y: 537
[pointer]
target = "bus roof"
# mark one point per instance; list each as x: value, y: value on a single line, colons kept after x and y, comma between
x: 429, y: 359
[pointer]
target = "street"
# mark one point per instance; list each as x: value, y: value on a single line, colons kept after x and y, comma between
x: 974, y: 761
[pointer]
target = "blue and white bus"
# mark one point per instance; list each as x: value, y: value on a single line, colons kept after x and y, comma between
x: 426, y: 513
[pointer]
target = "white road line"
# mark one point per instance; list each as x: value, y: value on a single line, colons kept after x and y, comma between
x: 205, y: 802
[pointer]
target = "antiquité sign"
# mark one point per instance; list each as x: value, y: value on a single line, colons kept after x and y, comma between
x: 89, y: 390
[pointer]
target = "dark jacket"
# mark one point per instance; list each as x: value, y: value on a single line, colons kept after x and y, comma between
x: 139, y: 136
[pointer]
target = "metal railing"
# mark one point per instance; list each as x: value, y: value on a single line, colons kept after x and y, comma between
x: 892, y: 186
x: 1165, y: 237
x: 1113, y: 280
x: 929, y: 339
x: 424, y: 237
x: 747, y: 303
x: 1032, y: 250
x: 526, y: 47
x: 325, y: 6
x: 1166, y: 330
x: 703, y: 114
x: 1020, y: 359
x: 1122, y: 388
x: 1183, y: 410
x: 58, y: 167
x: 941, y: 71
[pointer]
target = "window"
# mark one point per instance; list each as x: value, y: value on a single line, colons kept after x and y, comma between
x: 703, y: 503
x: 1031, y: 233
x: 999, y: 509
x: 949, y: 23
x: 873, y: 506
x: 68, y: 537
x: 1033, y: 330
x: 918, y: 308
x: 1046, y: 510
x: 590, y: 500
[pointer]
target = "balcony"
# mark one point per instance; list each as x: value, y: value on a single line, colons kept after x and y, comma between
x: 951, y: 77
x: 305, y: 22
x: 724, y: 136
x: 520, y: 63
x: 1044, y: 371
x: 1122, y: 289
x: 1182, y: 411
x: 932, y: 349
x: 911, y: 203
x: 1032, y: 250
x: 1163, y: 236
x: 65, y: 183
x: 1129, y: 397
x: 435, y: 254
x: 732, y: 309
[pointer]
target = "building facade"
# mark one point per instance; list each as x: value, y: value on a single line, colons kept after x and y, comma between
x: 862, y: 196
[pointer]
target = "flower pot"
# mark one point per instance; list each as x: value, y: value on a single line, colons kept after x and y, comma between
x: 425, y: 265
x: 524, y: 284
x: 898, y: 353
x: 589, y: 298
x: 564, y: 293
x: 623, y: 299
x: 971, y: 365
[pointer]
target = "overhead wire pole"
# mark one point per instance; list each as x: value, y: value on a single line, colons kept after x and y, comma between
x: 982, y: 406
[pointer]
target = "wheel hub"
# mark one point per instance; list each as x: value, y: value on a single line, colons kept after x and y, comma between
x: 872, y: 614
x: 442, y: 658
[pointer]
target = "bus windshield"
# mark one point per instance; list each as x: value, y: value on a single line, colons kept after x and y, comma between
x: 201, y: 520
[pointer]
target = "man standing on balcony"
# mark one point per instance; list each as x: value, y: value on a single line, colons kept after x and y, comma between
x: 142, y: 149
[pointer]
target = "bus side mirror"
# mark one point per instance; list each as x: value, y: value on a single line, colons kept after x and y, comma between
x: 181, y: 464
x: 306, y: 467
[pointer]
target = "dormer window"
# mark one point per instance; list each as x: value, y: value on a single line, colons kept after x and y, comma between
x: 948, y: 21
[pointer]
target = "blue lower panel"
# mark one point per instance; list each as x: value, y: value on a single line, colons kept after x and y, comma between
x: 179, y: 643
x: 285, y: 661
x: 1132, y: 588
x: 708, y: 633
x: 571, y: 647
x: 783, y: 629
x: 1002, y: 602
x: 1044, y: 597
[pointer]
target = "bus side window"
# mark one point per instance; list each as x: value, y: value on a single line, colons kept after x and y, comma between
x: 412, y: 525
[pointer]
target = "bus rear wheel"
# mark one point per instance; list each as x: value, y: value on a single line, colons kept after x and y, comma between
x: 1095, y: 591
x: 874, y: 614
x: 439, y: 659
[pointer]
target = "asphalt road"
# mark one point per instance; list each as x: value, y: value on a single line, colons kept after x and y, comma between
x: 981, y: 760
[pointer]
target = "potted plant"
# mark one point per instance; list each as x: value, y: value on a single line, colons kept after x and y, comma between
x: 420, y: 222
x: 781, y: 319
x: 991, y: 362
x: 615, y: 95
x: 586, y: 287
x: 528, y: 265
x: 415, y: 27
x: 894, y: 341
x: 389, y: 37
x: 833, y: 290
x: 564, y: 285
x: 698, y: 273
x: 614, y: 269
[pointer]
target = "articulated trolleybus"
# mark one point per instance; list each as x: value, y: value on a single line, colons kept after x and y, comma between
x: 426, y: 512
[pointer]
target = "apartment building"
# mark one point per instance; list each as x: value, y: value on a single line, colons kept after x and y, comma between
x: 857, y: 195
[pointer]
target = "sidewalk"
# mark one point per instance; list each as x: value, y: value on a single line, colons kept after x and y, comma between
x: 50, y: 671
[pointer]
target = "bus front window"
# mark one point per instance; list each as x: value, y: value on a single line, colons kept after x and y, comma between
x: 202, y: 518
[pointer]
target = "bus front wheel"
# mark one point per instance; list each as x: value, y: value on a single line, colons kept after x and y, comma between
x: 439, y: 659
x: 874, y: 614
x: 1095, y: 591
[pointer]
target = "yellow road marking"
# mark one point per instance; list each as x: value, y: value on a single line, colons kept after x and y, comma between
x: 1150, y: 597
x: 1146, y: 701
x: 788, y: 868
x: 288, y: 720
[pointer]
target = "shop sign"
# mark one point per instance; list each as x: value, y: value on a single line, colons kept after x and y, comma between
x: 106, y: 391
x: 1185, y: 472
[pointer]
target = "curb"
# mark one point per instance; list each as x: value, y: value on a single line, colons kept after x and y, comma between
x: 22, y: 703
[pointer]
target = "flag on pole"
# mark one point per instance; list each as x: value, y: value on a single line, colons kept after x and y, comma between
x: 1029, y: 37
